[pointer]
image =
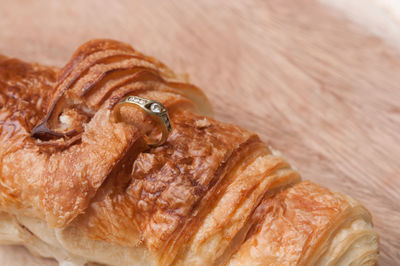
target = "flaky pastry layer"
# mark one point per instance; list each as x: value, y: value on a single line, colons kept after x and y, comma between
x: 80, y: 187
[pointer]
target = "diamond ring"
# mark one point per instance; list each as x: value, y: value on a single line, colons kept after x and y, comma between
x: 155, y: 109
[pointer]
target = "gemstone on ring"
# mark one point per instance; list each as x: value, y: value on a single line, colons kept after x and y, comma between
x: 156, y: 108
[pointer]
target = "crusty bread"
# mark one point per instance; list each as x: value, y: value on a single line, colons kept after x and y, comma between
x: 81, y: 187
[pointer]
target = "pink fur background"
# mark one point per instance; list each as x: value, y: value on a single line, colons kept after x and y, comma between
x: 313, y: 80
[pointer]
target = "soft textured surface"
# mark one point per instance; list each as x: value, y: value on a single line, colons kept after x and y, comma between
x: 335, y: 112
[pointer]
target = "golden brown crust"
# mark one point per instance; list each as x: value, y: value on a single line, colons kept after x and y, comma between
x: 63, y: 178
x: 297, y: 226
x: 65, y: 162
x: 165, y: 186
x: 24, y: 94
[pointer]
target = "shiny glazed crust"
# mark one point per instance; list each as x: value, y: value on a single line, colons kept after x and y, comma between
x: 80, y: 187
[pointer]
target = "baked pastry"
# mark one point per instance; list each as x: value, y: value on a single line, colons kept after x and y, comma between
x: 79, y: 186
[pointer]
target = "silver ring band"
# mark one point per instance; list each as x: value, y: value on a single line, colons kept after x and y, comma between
x: 155, y: 109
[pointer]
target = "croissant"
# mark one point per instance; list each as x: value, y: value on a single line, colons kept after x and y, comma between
x: 78, y: 186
